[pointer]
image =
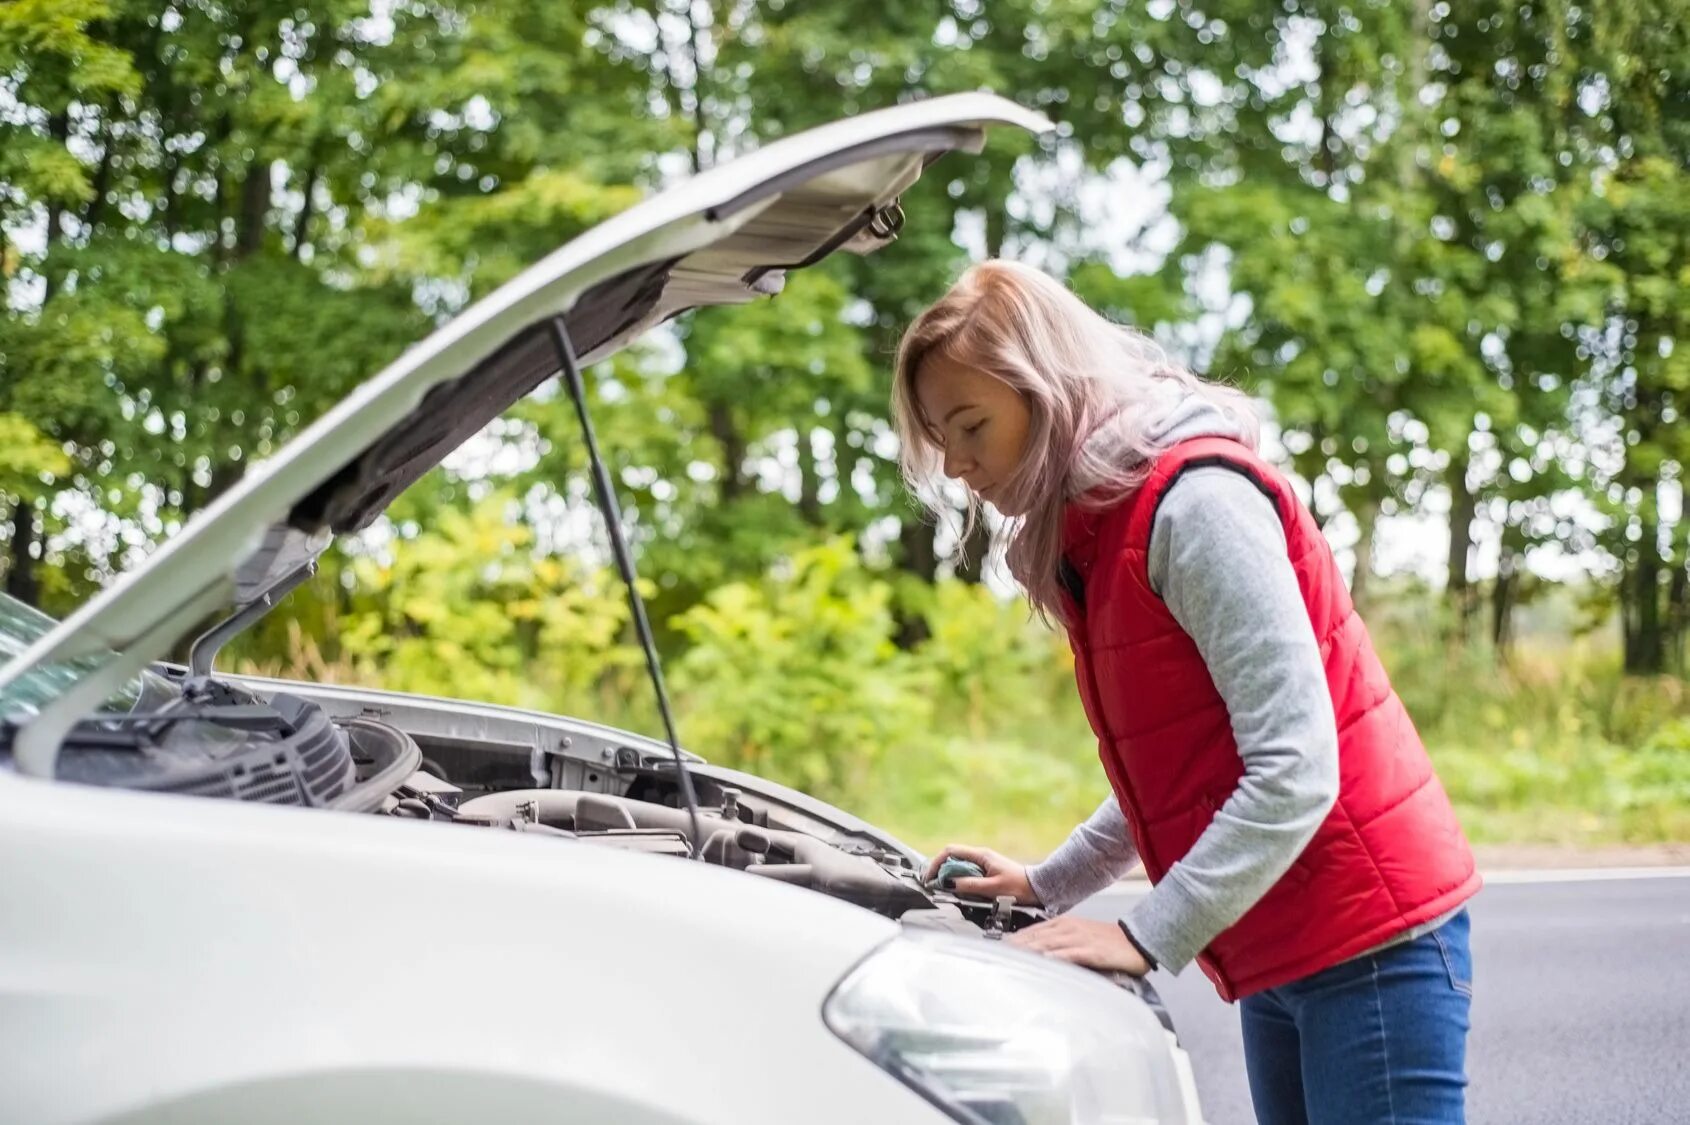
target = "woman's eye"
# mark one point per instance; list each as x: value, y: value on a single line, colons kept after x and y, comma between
x: 975, y: 428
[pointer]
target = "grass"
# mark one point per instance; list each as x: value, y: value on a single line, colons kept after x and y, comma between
x: 1552, y: 746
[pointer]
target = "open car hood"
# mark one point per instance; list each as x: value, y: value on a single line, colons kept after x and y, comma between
x: 722, y: 237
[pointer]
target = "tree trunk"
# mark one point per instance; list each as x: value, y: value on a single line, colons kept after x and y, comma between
x: 921, y: 558
x: 255, y: 201
x: 1503, y: 596
x: 49, y: 277
x: 21, y: 582
x: 1326, y: 89
x: 997, y: 231
x: 249, y: 235
x: 972, y: 552
x: 302, y: 225
x: 1678, y: 613
x: 726, y: 432
x: 58, y: 127
x: 172, y: 204
x: 1367, y: 526
x: 1462, y: 510
x: 809, y: 483
x: 1645, y: 650
x: 700, y: 120
x: 1628, y: 610
x: 220, y: 194
x: 102, y: 175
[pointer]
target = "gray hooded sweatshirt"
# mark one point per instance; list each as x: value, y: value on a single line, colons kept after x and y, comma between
x: 1220, y: 562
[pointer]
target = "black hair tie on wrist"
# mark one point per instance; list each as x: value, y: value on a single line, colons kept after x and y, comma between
x: 1142, y: 952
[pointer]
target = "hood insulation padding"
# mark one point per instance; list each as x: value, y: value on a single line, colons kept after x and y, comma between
x: 453, y: 412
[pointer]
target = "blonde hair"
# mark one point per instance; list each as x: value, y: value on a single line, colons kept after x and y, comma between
x: 1096, y: 392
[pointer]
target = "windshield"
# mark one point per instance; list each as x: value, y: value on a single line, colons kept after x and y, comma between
x: 21, y: 626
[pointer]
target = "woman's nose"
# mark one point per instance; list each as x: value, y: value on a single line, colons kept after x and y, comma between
x: 956, y: 464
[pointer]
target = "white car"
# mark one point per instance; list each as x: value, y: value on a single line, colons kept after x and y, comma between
x: 402, y: 908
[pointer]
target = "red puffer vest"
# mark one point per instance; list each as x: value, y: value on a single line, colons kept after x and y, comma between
x: 1391, y: 854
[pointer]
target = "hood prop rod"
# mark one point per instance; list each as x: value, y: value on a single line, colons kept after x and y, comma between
x: 570, y: 369
x: 203, y: 655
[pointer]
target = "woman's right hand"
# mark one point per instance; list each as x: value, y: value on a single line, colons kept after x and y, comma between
x: 1003, y: 875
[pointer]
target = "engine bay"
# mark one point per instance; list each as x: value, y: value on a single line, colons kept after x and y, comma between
x: 482, y: 767
x: 456, y: 764
x: 734, y: 830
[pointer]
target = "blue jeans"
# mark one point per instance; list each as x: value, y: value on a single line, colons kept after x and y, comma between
x: 1382, y: 1038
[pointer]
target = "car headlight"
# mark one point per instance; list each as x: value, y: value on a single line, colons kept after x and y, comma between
x: 994, y: 1035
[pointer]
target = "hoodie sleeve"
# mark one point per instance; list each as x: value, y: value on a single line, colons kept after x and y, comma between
x: 1096, y: 854
x: 1218, y: 558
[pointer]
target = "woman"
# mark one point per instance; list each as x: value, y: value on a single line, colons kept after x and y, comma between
x: 1301, y: 848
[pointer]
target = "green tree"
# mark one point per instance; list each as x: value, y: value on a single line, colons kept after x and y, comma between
x: 202, y: 216
x: 1392, y: 189
x: 1635, y: 96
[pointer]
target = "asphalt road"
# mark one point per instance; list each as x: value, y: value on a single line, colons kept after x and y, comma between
x: 1581, y: 1009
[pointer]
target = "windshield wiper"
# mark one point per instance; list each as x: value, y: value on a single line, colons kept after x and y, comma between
x: 137, y: 730
x: 240, y: 716
x: 571, y: 372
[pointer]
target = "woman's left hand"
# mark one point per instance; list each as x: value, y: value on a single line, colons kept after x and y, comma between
x: 1096, y: 945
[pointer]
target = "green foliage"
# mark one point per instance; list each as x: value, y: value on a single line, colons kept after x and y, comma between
x: 467, y: 598
x: 28, y: 461
x: 1446, y: 242
x: 796, y: 677
x: 1556, y: 746
x: 999, y: 672
x: 1023, y: 797
x: 488, y: 239
x: 466, y: 609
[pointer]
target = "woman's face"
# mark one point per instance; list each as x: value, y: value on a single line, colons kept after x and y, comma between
x: 978, y: 420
